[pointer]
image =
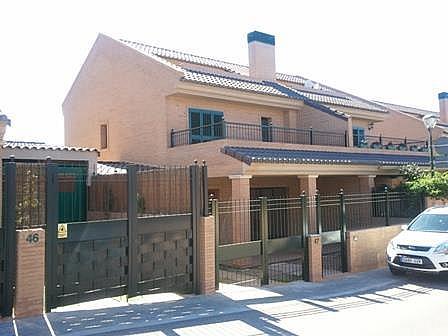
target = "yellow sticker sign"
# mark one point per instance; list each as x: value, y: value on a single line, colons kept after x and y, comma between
x: 62, y: 231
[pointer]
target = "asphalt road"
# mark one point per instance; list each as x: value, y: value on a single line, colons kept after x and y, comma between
x: 370, y: 303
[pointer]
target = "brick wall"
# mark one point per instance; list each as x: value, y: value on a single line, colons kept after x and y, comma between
x: 315, y: 257
x: 206, y: 233
x: 366, y: 249
x: 29, y: 296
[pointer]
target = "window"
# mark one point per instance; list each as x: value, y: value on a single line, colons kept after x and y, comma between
x: 358, y: 136
x: 103, y: 136
x: 266, y: 129
x: 205, y: 125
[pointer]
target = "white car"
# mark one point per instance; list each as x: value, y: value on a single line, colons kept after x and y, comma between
x: 422, y: 245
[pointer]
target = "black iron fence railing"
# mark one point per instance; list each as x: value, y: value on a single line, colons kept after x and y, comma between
x: 253, y: 132
x: 240, y: 220
x: 382, y: 142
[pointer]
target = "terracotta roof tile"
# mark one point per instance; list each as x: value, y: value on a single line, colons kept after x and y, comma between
x: 324, y: 94
x: 44, y: 146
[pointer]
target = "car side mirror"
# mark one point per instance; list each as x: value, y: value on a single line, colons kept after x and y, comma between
x: 404, y: 227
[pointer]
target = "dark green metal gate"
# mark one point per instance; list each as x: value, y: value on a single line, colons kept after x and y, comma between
x: 138, y: 253
x: 261, y: 241
x: 332, y: 226
x: 2, y: 272
x: 8, y: 241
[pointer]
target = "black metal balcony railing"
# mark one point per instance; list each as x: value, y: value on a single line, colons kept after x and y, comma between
x: 381, y: 142
x: 253, y: 132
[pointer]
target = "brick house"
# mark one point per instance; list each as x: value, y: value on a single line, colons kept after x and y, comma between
x: 260, y: 131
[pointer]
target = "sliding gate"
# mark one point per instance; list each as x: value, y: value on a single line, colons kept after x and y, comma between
x: 139, y: 237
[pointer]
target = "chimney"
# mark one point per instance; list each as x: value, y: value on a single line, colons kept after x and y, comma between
x: 261, y: 56
x: 443, y: 105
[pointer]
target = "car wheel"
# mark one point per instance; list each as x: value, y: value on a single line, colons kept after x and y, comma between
x: 396, y: 271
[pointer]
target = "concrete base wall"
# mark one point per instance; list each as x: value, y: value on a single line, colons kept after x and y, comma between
x: 366, y: 249
x: 430, y: 202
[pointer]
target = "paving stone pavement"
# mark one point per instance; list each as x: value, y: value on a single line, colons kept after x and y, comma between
x: 234, y: 310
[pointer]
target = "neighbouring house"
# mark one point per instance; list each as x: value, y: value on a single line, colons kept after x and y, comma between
x: 262, y: 133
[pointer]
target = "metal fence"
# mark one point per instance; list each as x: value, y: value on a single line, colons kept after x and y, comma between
x: 254, y: 132
x: 381, y: 142
x: 30, y: 195
x: 263, y: 241
x: 260, y: 241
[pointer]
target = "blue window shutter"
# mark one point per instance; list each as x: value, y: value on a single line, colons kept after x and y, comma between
x: 358, y: 136
x: 205, y: 125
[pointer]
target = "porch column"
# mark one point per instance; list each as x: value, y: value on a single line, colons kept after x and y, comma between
x: 349, y: 132
x: 240, y: 230
x: 308, y: 184
x: 366, y: 186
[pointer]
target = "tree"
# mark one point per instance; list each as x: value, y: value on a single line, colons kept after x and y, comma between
x: 419, y: 181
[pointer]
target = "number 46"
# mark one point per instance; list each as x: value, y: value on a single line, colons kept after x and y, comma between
x: 32, y: 238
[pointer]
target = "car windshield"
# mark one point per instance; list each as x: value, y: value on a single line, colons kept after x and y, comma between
x: 430, y: 223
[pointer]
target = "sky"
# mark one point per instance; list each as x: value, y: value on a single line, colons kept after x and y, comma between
x: 394, y: 51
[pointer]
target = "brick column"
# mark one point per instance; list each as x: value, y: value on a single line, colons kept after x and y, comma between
x: 308, y: 184
x: 366, y: 183
x: 315, y: 257
x: 366, y: 186
x: 206, y: 235
x: 30, y: 279
x: 350, y: 132
x: 240, y: 228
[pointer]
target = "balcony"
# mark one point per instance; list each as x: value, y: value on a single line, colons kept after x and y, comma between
x: 253, y: 132
x: 276, y: 134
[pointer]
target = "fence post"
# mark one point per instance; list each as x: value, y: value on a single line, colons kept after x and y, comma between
x: 132, y: 230
x: 215, y: 212
x: 318, y: 213
x: 343, y: 230
x: 224, y: 129
x: 264, y: 240
x: 195, y: 196
x: 10, y: 239
x: 51, y: 235
x: 311, y: 135
x: 304, y: 207
x: 204, y: 189
x: 386, y: 210
x: 172, y: 138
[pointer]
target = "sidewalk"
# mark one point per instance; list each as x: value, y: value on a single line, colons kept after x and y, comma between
x: 269, y: 304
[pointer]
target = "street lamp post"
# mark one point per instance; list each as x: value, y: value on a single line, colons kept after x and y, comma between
x: 430, y: 121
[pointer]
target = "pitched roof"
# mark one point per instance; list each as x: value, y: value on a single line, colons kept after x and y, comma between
x: 120, y: 167
x: 232, y: 83
x: 271, y: 155
x: 407, y: 109
x: 43, y: 146
x: 230, y: 77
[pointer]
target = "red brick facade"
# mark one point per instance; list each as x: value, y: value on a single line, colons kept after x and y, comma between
x: 29, y: 298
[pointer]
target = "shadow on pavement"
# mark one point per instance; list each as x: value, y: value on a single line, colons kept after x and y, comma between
x: 236, y: 310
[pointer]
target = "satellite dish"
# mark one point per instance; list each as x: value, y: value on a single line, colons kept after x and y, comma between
x: 441, y: 146
x: 309, y: 84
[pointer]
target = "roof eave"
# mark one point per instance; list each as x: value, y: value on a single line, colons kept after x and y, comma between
x: 238, y: 95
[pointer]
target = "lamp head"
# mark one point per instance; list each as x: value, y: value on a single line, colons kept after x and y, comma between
x: 430, y: 120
